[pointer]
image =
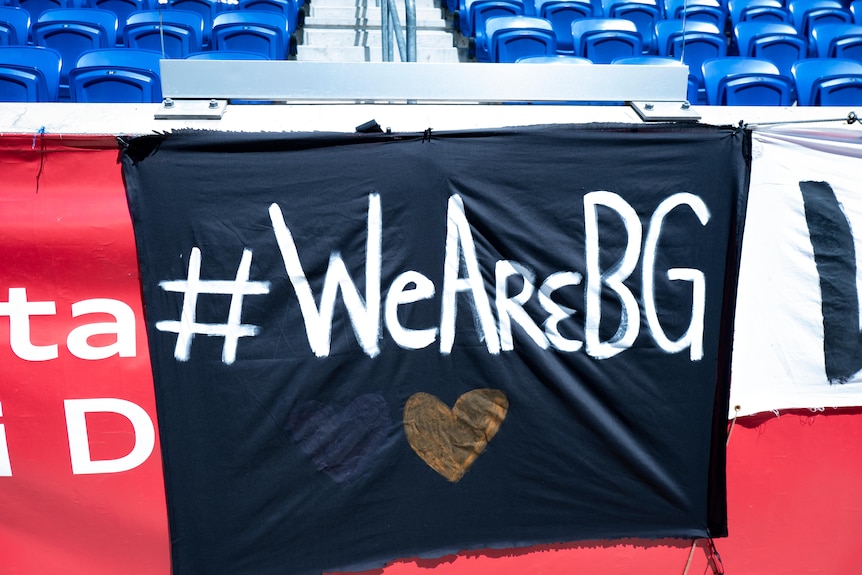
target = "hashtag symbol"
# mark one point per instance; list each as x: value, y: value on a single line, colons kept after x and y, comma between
x: 233, y: 329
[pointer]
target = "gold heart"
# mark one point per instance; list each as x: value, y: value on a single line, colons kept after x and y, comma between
x: 449, y: 441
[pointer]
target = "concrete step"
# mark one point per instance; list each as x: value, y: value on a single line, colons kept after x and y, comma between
x: 315, y: 11
x: 372, y: 20
x: 333, y: 37
x: 371, y: 54
x: 350, y: 31
x: 371, y: 4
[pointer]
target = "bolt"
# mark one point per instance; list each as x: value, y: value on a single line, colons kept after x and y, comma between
x: 685, y: 106
x: 648, y: 106
x: 213, y: 104
x: 168, y: 103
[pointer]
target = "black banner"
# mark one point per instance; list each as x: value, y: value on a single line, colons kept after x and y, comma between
x: 377, y: 346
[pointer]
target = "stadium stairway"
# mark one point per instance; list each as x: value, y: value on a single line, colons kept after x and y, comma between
x: 350, y: 31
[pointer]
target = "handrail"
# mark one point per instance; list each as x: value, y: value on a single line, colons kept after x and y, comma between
x: 410, y: 13
x: 391, y: 25
x: 385, y: 34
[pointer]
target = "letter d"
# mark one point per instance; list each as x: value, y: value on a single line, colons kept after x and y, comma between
x: 79, y: 444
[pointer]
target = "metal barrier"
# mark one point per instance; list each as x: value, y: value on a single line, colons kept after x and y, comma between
x: 655, y: 92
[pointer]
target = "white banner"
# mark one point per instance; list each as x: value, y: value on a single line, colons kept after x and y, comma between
x: 797, y: 341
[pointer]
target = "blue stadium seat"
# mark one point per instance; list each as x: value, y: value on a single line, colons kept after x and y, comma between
x: 758, y: 11
x: 36, y: 7
x: 122, y: 8
x: 290, y: 9
x: 780, y: 43
x: 828, y: 82
x: 225, y: 55
x: 73, y: 31
x: 514, y: 37
x: 649, y: 60
x: 808, y: 13
x: 265, y: 33
x: 29, y: 74
x: 466, y: 9
x: 480, y: 11
x: 556, y: 59
x: 208, y: 9
x: 856, y: 11
x: 644, y: 13
x: 701, y: 41
x: 838, y: 41
x: 671, y: 34
x: 711, y: 11
x: 116, y: 75
x: 745, y: 82
x: 178, y: 32
x: 561, y: 14
x: 602, y: 40
x: 14, y: 26
x: 78, y: 21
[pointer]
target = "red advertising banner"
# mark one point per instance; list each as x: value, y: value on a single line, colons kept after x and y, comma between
x: 81, y: 484
x: 81, y: 488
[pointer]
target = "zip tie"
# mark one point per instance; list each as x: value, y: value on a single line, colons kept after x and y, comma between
x: 718, y: 566
x: 41, y: 135
x: 40, y: 132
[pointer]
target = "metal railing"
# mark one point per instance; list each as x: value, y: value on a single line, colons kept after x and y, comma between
x: 391, y: 28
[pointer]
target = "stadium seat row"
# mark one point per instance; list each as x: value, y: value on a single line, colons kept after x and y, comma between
x: 603, y: 40
x: 741, y: 81
x: 33, y: 74
x: 170, y: 33
x: 30, y: 12
x: 124, y: 7
x: 802, y: 15
x: 723, y: 13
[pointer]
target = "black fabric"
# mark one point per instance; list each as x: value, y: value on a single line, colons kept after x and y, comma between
x: 287, y: 457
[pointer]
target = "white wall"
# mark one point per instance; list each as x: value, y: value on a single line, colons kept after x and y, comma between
x: 134, y: 119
